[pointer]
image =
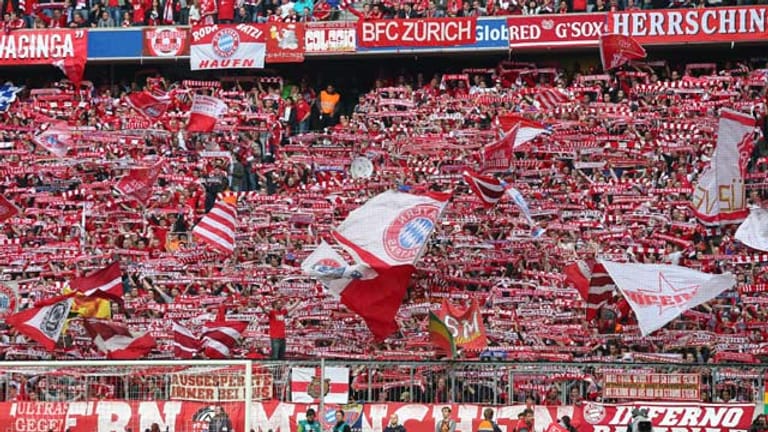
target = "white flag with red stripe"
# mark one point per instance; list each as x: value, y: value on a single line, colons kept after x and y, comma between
x: 106, y: 283
x: 489, y: 189
x: 306, y: 385
x: 117, y: 341
x: 205, y: 113
x: 185, y: 343
x: 527, y: 129
x: 217, y: 228
x: 44, y: 322
x: 549, y: 98
x: 221, y: 337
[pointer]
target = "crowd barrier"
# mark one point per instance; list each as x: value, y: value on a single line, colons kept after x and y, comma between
x: 668, y: 27
x: 184, y: 395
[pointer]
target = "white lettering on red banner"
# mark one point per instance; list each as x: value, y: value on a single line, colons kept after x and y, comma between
x: 431, y: 32
x: 330, y: 37
x: 227, y: 47
x: 555, y: 30
x: 27, y: 47
x: 674, y: 26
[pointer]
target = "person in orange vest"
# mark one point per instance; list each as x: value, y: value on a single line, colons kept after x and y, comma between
x: 487, y: 424
x: 328, y: 106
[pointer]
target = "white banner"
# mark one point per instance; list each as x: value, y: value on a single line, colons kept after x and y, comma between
x: 240, y: 46
x: 306, y: 385
x: 753, y: 232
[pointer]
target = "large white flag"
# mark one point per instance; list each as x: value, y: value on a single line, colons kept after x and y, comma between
x: 393, y: 227
x: 330, y: 268
x: 753, y: 232
x: 660, y: 293
x: 306, y: 385
x: 719, y: 197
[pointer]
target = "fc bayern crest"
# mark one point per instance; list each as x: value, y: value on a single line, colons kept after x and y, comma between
x: 328, y: 267
x: 594, y: 413
x: 226, y: 42
x: 166, y: 41
x: 405, y: 236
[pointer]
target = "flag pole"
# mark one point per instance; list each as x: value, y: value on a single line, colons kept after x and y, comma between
x: 83, y: 233
x: 321, y: 409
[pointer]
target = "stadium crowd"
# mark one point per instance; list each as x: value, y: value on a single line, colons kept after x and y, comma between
x: 613, y: 179
x: 127, y: 13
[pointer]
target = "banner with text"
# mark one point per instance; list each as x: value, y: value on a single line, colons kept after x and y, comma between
x: 165, y: 42
x: 697, y: 25
x: 649, y: 386
x: 43, y: 47
x: 212, y: 387
x: 562, y: 31
x: 240, y: 46
x: 330, y: 37
x: 428, y: 32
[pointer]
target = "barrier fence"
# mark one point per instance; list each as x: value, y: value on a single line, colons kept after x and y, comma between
x: 487, y: 383
x: 210, y: 396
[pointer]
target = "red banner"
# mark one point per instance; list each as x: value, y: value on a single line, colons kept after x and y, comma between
x: 416, y: 417
x: 285, y: 42
x: 466, y: 326
x: 648, y: 386
x: 104, y: 416
x: 531, y: 31
x: 676, y: 26
x: 429, y: 32
x: 107, y: 416
x: 330, y: 37
x: 43, y: 47
x: 165, y: 42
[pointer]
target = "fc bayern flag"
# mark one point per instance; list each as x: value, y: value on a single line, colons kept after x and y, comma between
x: 7, y: 209
x: 106, y: 283
x: 205, y: 113
x: 617, y: 49
x: 149, y: 105
x: 44, y: 322
x: 138, y: 183
x: 489, y: 189
x: 57, y: 139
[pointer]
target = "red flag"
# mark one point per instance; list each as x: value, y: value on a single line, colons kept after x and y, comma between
x: 7, y: 209
x: 616, y: 50
x: 217, y: 228
x: 489, y: 189
x: 138, y: 182
x: 57, y: 139
x: 117, y: 341
x: 220, y: 337
x: 205, y: 113
x: 555, y: 427
x: 44, y: 322
x: 466, y: 326
x: 185, y: 343
x: 497, y: 155
x: 149, y: 105
x: 73, y: 69
x: 105, y: 283
x: 594, y: 284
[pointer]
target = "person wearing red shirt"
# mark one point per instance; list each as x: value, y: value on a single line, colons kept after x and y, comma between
x: 303, y: 113
x: 277, y: 316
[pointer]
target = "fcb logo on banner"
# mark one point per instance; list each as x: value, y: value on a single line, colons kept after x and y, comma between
x: 166, y: 42
x: 226, y: 42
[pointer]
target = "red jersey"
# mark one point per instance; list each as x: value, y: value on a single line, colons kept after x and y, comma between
x: 277, y: 323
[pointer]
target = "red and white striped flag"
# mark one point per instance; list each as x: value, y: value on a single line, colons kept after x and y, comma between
x: 593, y: 283
x: 489, y: 189
x: 306, y: 385
x: 185, y: 343
x: 551, y: 97
x: 217, y: 228
x: 105, y: 283
x: 527, y: 129
x: 44, y: 322
x: 221, y: 337
x: 117, y: 341
x: 205, y: 113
